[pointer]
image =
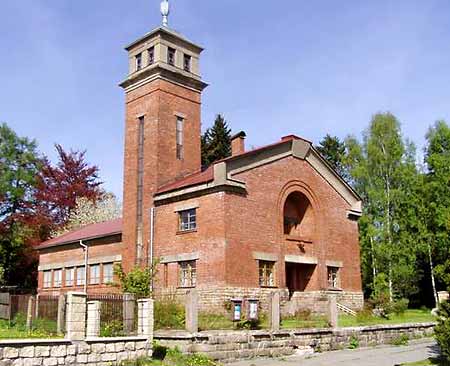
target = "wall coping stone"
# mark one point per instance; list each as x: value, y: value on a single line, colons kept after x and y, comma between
x: 115, y: 339
x: 34, y: 342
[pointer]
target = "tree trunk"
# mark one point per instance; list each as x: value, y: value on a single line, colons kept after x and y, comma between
x: 433, y: 282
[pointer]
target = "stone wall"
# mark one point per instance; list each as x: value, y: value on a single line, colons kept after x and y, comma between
x: 234, y: 345
x: 53, y: 352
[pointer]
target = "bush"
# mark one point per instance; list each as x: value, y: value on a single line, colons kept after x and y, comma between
x: 364, y: 315
x: 169, y: 314
x: 354, y: 342
x: 397, y: 307
x: 113, y: 328
x: 442, y: 330
x: 400, y: 341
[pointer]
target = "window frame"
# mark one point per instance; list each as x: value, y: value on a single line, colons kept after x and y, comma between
x: 47, y: 282
x: 179, y: 132
x: 266, y: 273
x: 191, y: 223
x: 94, y: 280
x: 151, y: 55
x: 108, y: 265
x: 187, y: 62
x: 187, y: 274
x: 81, y: 280
x: 138, y: 61
x: 69, y: 281
x: 171, y: 56
x: 333, y: 277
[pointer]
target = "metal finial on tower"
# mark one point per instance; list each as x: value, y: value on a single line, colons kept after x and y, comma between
x: 165, y: 11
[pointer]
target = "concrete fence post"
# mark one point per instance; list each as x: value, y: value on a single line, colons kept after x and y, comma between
x: 332, y: 311
x: 275, y: 311
x: 76, y: 316
x: 128, y: 313
x: 145, y: 318
x: 191, y: 309
x: 93, y: 319
x: 30, y: 308
x: 61, y: 313
x: 5, y: 305
x: 36, y: 309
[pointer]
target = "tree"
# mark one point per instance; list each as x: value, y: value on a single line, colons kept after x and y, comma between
x: 87, y: 211
x: 333, y: 150
x: 59, y: 187
x: 442, y: 330
x: 216, y: 142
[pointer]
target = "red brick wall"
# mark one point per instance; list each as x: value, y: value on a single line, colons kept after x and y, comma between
x: 159, y: 101
x: 255, y: 223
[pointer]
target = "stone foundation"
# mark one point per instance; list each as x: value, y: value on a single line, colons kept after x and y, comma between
x: 235, y: 345
x: 215, y: 299
x: 92, y: 352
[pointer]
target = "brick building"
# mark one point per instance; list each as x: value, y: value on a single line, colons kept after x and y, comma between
x: 277, y: 217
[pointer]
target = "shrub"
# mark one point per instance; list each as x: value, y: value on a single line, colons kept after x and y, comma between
x: 442, y: 330
x: 364, y: 315
x: 169, y: 314
x: 113, y: 328
x: 397, y: 307
x: 401, y: 340
x: 354, y: 342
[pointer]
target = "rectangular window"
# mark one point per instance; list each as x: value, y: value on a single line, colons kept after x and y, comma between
x: 94, y: 274
x: 138, y: 59
x: 179, y: 132
x: 188, y: 219
x: 266, y: 274
x: 70, y: 275
x: 108, y: 273
x: 188, y: 274
x: 57, y: 278
x: 151, y: 55
x: 171, y: 56
x: 81, y: 276
x: 187, y: 63
x: 47, y: 279
x: 333, y: 277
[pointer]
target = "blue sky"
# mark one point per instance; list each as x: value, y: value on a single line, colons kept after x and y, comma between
x: 274, y: 67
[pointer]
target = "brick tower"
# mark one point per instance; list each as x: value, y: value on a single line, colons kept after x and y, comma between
x: 162, y: 128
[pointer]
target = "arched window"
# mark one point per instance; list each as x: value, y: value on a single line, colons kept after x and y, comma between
x: 298, y: 216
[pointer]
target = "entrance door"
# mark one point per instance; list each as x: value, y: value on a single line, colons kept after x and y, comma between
x: 298, y: 276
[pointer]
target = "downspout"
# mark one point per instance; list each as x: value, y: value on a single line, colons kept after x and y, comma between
x: 152, y: 239
x: 85, y: 249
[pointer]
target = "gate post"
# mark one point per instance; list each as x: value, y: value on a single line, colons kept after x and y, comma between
x: 275, y: 311
x: 93, y: 319
x: 128, y: 312
x: 145, y: 318
x: 191, y: 309
x: 31, y: 302
x: 76, y: 316
x: 61, y: 313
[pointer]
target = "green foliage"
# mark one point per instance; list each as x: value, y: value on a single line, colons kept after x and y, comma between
x: 400, y: 340
x: 169, y: 314
x: 137, y: 281
x: 41, y: 328
x: 354, y: 342
x: 442, y: 330
x: 216, y: 142
x: 113, y: 328
x: 2, y: 275
x: 398, y: 307
x: 333, y: 150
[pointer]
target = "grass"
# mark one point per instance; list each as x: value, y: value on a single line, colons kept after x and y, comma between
x: 410, y: 316
x: 42, y: 328
x: 428, y: 362
x: 309, y: 322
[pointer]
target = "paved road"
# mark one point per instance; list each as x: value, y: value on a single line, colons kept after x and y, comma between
x: 378, y: 356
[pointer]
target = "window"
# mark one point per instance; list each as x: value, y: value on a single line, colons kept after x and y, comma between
x: 266, y: 274
x: 94, y: 274
x: 188, y: 219
x: 57, y: 278
x: 187, y: 63
x: 180, y: 123
x: 70, y: 274
x: 171, y: 56
x: 138, y: 62
x: 188, y: 273
x: 151, y: 55
x: 81, y: 276
x: 108, y: 273
x: 47, y: 279
x: 333, y: 277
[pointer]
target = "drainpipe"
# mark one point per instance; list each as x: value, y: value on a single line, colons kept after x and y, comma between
x: 85, y: 250
x: 152, y: 239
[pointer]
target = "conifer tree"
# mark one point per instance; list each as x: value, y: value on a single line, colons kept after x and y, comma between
x: 216, y: 142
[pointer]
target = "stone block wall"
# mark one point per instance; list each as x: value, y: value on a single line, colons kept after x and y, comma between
x: 92, y: 352
x: 235, y: 345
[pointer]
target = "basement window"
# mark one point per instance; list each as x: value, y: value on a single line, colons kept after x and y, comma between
x: 333, y: 277
x: 188, y: 273
x: 266, y: 274
x: 188, y: 220
x: 47, y: 279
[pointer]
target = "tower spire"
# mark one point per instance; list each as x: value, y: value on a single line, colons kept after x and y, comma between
x: 165, y: 11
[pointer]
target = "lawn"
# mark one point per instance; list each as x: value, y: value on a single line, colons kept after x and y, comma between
x: 42, y: 328
x: 410, y: 316
x: 429, y: 362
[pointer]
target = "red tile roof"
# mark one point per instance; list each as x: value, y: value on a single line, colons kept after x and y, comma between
x: 88, y: 232
x: 188, y: 181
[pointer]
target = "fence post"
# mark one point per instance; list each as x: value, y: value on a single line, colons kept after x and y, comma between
x: 275, y: 311
x: 61, y: 313
x: 128, y: 313
x: 93, y: 318
x: 145, y: 318
x: 332, y: 311
x: 5, y: 306
x: 36, y: 310
x: 76, y: 316
x: 191, y: 309
x: 31, y: 302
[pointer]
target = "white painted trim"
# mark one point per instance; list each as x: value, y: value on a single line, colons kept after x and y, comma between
x: 63, y: 265
x: 187, y: 206
x: 262, y: 256
x: 338, y: 264
x: 300, y: 259
x: 179, y: 258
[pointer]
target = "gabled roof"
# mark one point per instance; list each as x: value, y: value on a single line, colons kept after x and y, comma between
x: 89, y: 232
x: 189, y: 180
